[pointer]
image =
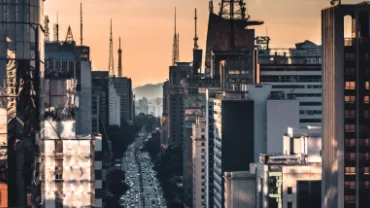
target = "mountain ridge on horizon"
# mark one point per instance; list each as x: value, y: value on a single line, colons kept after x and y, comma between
x: 149, y: 91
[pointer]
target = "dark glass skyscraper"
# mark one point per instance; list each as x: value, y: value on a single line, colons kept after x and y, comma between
x: 21, y: 83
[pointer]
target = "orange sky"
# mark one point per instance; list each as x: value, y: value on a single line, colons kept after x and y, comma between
x: 146, y: 28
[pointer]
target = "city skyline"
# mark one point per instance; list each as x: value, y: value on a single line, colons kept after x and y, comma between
x: 299, y: 18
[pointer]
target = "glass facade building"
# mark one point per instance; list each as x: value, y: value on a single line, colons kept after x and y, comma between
x: 21, y: 81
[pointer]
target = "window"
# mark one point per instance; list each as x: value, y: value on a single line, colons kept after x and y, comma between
x: 367, y: 85
x: 349, y: 184
x: 366, y: 99
x: 290, y: 190
x: 349, y: 113
x: 349, y: 127
x: 350, y: 71
x: 203, y: 144
x: 366, y: 113
x: 350, y: 142
x: 349, y: 99
x: 366, y: 170
x: 203, y: 130
x: 350, y: 170
x: 350, y: 156
x: 349, y: 199
x: 350, y: 85
x: 290, y: 205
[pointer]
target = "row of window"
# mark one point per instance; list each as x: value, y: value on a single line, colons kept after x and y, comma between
x: 352, y: 85
x: 352, y: 156
x: 352, y: 128
x: 310, y: 112
x: 352, y: 99
x: 352, y: 142
x: 352, y: 113
x: 352, y: 170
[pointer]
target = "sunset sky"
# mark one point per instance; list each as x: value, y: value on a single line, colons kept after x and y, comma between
x: 146, y: 28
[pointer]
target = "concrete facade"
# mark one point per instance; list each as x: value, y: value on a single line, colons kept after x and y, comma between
x: 199, y: 163
x: 240, y: 190
x: 281, y: 113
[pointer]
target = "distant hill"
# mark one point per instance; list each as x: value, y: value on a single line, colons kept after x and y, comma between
x: 149, y: 91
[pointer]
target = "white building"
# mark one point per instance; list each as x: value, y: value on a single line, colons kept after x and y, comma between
x: 199, y: 163
x: 297, y: 73
x: 304, y: 141
x: 281, y: 113
x: 114, y: 105
x: 240, y: 190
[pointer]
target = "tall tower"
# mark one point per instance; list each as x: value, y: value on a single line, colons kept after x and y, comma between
x: 175, y: 48
x: 47, y: 30
x: 195, y: 35
x: 120, y: 72
x: 111, y: 57
x: 81, y: 25
x: 56, y: 30
x: 345, y: 107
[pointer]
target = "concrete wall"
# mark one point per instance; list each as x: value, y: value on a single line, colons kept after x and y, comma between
x: 84, y: 114
x: 280, y: 115
x: 240, y: 190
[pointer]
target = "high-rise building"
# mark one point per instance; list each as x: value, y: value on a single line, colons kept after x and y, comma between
x: 296, y: 73
x: 66, y: 60
x: 233, y: 139
x: 164, y: 118
x: 176, y: 107
x: 100, y: 101
x: 114, y: 104
x: 123, y: 87
x: 199, y: 163
x: 346, y: 70
x: 21, y: 106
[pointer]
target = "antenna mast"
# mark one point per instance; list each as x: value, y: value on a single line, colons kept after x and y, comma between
x: 120, y: 59
x: 233, y: 9
x: 47, y: 31
x: 69, y: 37
x: 56, y: 30
x: 111, y: 58
x: 175, y: 49
x: 81, y: 25
x: 196, y: 35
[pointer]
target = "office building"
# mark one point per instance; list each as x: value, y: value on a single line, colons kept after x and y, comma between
x: 68, y: 172
x: 114, y: 104
x: 240, y: 189
x: 67, y: 60
x: 287, y: 181
x: 21, y: 78
x: 233, y: 138
x: 123, y: 87
x: 296, y: 73
x: 176, y: 107
x: 100, y: 101
x: 199, y: 163
x: 346, y: 106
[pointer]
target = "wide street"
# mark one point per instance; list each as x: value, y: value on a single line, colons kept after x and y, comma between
x: 145, y: 190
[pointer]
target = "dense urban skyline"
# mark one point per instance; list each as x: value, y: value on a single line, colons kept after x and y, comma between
x: 150, y: 23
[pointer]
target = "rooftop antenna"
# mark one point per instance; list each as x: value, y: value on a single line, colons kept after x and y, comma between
x: 175, y: 49
x: 69, y: 37
x: 81, y: 25
x: 195, y: 36
x: 111, y: 58
x: 56, y: 30
x: 120, y: 59
x: 47, y: 31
